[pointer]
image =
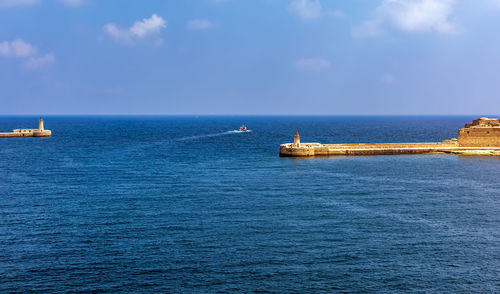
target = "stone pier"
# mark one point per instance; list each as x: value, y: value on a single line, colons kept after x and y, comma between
x: 481, y: 137
x: 40, y: 132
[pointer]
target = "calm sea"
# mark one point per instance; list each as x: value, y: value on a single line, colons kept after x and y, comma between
x: 182, y: 204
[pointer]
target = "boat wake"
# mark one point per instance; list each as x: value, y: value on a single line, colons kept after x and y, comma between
x: 238, y: 131
x: 211, y: 135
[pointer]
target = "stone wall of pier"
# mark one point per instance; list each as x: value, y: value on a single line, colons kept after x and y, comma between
x: 315, y: 149
x: 479, y: 137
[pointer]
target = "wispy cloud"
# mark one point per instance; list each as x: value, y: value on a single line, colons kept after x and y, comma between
x: 17, y: 48
x: 306, y: 9
x: 27, y: 52
x: 139, y: 30
x: 411, y: 16
x: 40, y: 61
x: 311, y: 64
x: 199, y: 24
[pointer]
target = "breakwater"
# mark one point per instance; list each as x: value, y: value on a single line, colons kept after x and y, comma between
x: 40, y: 132
x: 481, y: 137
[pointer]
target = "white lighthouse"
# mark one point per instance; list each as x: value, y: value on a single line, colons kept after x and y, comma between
x: 40, y: 125
x: 41, y: 132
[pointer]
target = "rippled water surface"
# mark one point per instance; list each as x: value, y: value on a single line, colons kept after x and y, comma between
x: 182, y: 204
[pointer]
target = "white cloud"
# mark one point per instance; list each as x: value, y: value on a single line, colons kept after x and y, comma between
x: 411, y: 16
x: 17, y: 48
x: 139, y: 30
x: 312, y: 64
x: 10, y: 3
x: 40, y: 61
x: 27, y: 52
x: 117, y: 34
x: 148, y: 26
x: 199, y: 24
x: 306, y: 9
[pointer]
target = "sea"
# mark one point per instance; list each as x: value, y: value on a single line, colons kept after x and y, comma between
x: 184, y: 204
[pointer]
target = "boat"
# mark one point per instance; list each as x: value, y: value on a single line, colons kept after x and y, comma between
x: 243, y: 128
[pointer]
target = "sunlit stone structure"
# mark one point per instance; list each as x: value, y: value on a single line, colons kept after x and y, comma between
x: 40, y: 132
x: 481, y: 137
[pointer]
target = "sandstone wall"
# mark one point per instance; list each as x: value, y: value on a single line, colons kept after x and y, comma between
x: 479, y: 137
x: 391, y: 145
x: 44, y: 133
x: 315, y: 149
x: 17, y: 133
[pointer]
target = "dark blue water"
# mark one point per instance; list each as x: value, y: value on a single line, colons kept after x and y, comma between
x: 179, y: 204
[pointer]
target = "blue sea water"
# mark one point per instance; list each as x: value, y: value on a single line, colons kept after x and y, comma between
x: 182, y: 204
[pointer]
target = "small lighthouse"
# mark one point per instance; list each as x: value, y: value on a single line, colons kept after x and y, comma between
x: 40, y: 125
x: 41, y: 132
x: 296, y: 140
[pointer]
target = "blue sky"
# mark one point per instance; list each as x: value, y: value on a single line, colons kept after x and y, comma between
x: 249, y: 57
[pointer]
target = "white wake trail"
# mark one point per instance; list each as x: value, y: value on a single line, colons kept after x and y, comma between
x: 208, y: 135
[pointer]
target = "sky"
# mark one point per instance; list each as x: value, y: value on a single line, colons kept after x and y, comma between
x: 236, y: 57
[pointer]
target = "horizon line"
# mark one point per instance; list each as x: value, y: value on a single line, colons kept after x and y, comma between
x: 205, y: 114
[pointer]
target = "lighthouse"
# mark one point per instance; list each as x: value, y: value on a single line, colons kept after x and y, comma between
x: 296, y: 140
x: 40, y: 125
x: 41, y: 132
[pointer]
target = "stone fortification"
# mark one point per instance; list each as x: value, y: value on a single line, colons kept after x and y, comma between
x: 482, y: 132
x: 40, y: 132
x: 481, y: 137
